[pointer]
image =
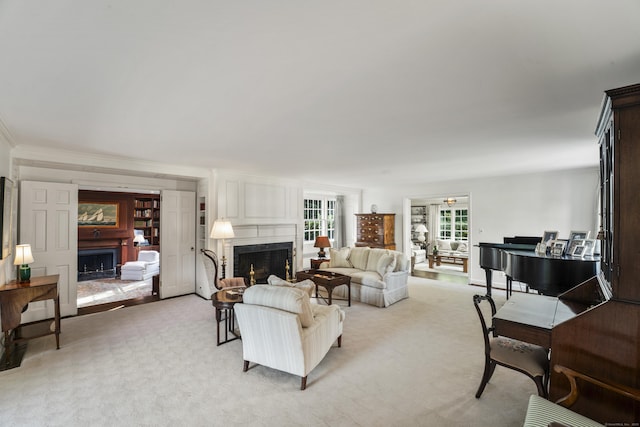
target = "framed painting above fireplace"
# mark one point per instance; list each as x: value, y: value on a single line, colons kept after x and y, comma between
x: 98, y: 214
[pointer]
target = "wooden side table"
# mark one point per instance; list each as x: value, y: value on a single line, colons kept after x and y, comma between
x: 315, y: 262
x: 14, y: 297
x: 223, y: 302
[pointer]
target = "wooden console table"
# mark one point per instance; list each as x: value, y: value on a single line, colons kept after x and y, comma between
x: 449, y: 259
x: 14, y: 297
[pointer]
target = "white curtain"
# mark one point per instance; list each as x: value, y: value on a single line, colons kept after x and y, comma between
x: 339, y: 237
x: 434, y: 218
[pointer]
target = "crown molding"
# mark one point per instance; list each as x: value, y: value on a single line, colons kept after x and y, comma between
x: 5, y: 135
x: 45, y: 157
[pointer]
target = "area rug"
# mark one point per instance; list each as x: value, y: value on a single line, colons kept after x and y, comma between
x: 92, y: 292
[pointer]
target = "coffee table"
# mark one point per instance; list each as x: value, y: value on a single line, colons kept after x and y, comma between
x: 223, y: 302
x: 327, y: 279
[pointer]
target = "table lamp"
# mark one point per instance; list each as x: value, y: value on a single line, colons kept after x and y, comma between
x: 322, y: 242
x: 421, y: 229
x: 23, y: 258
x: 138, y: 238
x: 222, y: 229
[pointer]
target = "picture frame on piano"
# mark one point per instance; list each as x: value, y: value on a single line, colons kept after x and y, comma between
x: 558, y: 247
x: 589, y: 247
x: 579, y: 235
x: 549, y: 236
x: 578, y: 251
x: 572, y: 245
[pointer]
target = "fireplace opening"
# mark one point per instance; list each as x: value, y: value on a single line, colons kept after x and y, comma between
x: 97, y: 263
x: 267, y: 259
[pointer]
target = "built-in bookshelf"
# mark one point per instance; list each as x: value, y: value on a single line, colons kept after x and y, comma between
x: 146, y: 217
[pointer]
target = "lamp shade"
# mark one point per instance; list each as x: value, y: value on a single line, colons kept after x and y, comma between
x: 322, y: 242
x: 23, y: 255
x: 421, y: 228
x: 138, y: 238
x: 222, y: 230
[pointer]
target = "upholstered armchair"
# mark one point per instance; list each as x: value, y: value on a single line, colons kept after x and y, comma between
x: 281, y: 329
x: 147, y: 266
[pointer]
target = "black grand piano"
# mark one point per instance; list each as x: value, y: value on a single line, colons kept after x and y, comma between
x: 549, y: 275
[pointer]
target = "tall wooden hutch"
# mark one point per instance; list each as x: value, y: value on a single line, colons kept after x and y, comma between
x: 604, y: 340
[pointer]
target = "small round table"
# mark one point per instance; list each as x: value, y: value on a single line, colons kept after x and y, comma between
x: 223, y: 302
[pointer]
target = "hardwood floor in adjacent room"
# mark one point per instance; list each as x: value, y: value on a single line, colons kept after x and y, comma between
x: 106, y: 294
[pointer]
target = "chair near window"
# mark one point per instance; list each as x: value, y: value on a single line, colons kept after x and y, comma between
x: 529, y: 359
x: 210, y: 260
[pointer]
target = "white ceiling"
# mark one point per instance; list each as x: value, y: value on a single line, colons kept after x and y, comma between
x: 350, y: 92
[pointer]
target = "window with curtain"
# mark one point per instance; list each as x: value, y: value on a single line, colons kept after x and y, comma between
x: 319, y: 218
x: 454, y: 224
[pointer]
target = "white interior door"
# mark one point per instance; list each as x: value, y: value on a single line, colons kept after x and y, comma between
x: 177, y: 243
x: 49, y: 223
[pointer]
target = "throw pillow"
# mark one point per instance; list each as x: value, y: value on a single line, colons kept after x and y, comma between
x: 374, y: 256
x: 358, y: 257
x: 339, y: 258
x: 283, y: 298
x: 443, y: 245
x: 402, y: 262
x: 306, y: 285
x: 386, y: 264
x: 462, y: 247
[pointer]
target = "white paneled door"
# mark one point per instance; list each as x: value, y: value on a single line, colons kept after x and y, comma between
x: 49, y: 223
x: 177, y: 243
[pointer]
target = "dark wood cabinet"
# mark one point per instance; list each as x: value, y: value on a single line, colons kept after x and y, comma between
x: 619, y: 135
x: 603, y: 340
x: 376, y: 230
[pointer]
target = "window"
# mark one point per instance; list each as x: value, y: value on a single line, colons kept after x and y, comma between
x: 454, y: 224
x: 319, y: 218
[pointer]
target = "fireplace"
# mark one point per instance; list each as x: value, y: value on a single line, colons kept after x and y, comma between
x: 97, y: 263
x: 267, y: 259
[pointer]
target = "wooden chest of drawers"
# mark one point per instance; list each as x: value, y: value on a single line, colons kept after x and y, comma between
x: 376, y: 230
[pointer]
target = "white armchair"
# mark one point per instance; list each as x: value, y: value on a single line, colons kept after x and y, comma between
x: 281, y: 329
x: 147, y: 266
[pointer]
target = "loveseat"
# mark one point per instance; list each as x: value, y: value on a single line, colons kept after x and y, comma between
x: 452, y: 248
x: 378, y: 276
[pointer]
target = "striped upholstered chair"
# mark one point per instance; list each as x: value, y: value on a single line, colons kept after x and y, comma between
x: 281, y: 329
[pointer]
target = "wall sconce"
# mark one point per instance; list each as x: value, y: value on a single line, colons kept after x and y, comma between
x: 450, y: 201
x: 23, y: 258
x: 222, y: 229
x: 322, y: 242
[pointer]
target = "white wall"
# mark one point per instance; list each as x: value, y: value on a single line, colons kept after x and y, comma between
x: 268, y: 209
x: 524, y: 205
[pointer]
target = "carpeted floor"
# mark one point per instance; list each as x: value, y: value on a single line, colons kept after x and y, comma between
x: 416, y: 363
x: 92, y: 292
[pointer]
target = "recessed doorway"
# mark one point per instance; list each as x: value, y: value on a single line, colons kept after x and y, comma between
x: 441, y: 222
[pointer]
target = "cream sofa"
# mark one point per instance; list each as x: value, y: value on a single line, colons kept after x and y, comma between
x: 453, y: 248
x: 281, y: 329
x: 378, y: 276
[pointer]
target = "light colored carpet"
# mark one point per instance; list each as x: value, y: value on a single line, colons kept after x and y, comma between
x: 418, y: 362
x: 92, y: 292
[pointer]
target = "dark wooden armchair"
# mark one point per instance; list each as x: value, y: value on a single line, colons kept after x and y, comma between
x: 529, y: 359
